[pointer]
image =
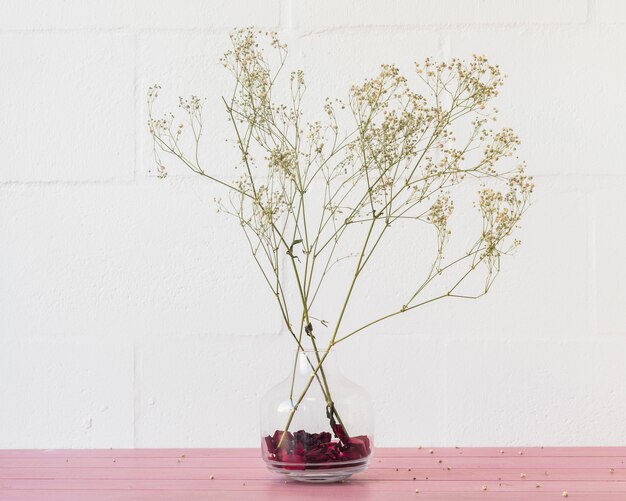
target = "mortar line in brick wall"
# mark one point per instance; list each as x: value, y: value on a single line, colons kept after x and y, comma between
x: 444, y: 361
x: 148, y: 180
x: 445, y: 45
x: 286, y: 15
x: 303, y: 31
x: 18, y: 31
x: 128, y: 30
x: 581, y: 175
x: 281, y: 15
x: 136, y: 107
x: 591, y: 12
x: 495, y: 27
x: 218, y: 30
x: 283, y: 267
x: 593, y: 262
x: 45, y: 184
x: 136, y: 393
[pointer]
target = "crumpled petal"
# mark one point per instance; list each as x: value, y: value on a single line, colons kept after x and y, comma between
x: 301, y: 448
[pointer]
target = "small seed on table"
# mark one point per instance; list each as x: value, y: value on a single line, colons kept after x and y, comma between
x: 522, y: 475
x: 612, y: 470
x: 537, y: 486
x: 211, y: 477
x: 484, y: 487
x: 565, y: 494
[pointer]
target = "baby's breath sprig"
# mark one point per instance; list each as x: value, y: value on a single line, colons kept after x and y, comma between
x: 389, y: 153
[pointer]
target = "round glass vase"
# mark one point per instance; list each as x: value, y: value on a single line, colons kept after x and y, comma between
x: 316, y: 427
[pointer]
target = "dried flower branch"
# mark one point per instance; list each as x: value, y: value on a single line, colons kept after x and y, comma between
x: 397, y: 160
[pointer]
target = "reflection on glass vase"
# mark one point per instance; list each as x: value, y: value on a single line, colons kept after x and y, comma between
x: 316, y: 427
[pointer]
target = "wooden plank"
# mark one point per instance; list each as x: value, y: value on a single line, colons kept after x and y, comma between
x: 382, y: 452
x: 132, y: 453
x: 246, y: 462
x: 372, y: 474
x: 296, y: 488
x: 502, y: 451
x: 322, y: 493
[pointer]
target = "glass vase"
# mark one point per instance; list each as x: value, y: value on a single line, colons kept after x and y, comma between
x: 316, y: 426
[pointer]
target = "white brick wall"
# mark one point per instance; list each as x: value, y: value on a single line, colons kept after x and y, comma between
x: 131, y: 313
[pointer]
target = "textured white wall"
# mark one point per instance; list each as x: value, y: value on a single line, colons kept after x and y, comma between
x: 131, y: 313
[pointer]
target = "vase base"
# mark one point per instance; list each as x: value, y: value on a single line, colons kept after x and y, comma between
x: 320, y: 476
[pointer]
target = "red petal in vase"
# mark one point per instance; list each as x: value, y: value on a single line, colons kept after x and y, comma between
x: 293, y: 461
x: 270, y: 444
x: 316, y: 449
x: 361, y: 444
x: 340, y: 433
x: 287, y: 442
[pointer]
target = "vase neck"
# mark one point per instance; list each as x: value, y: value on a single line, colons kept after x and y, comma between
x: 307, y: 361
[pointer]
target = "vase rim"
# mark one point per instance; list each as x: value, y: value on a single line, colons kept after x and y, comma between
x: 308, y: 353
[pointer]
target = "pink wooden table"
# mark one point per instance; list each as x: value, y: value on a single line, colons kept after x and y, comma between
x: 451, y: 474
